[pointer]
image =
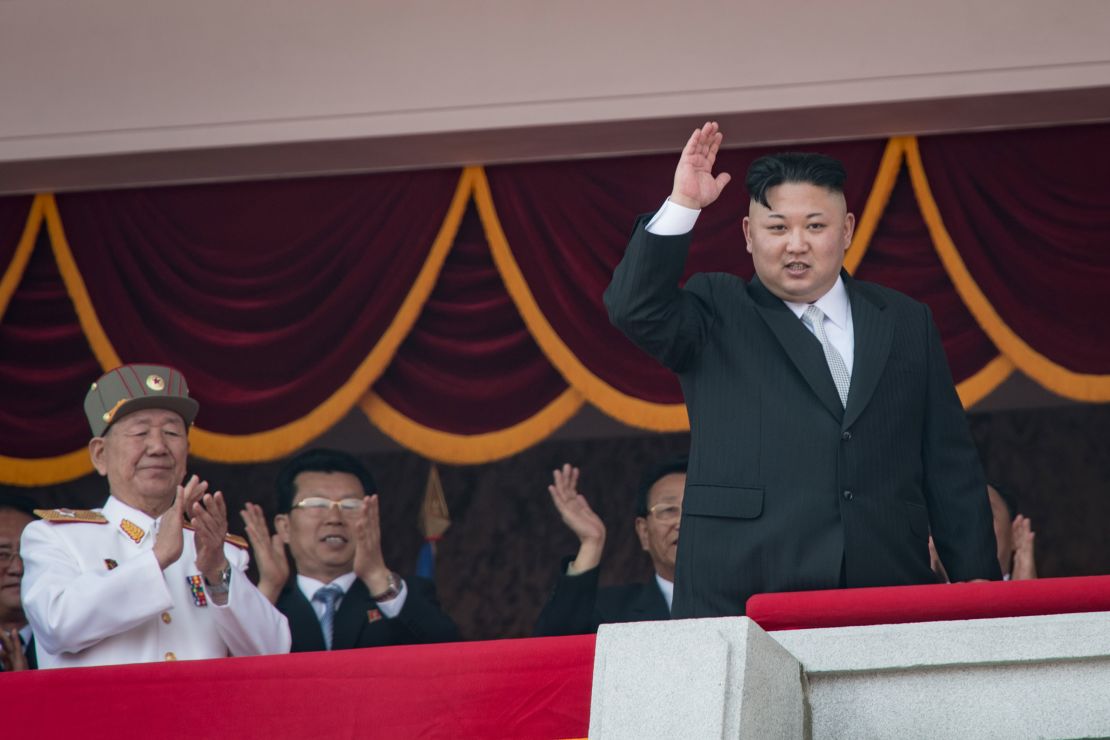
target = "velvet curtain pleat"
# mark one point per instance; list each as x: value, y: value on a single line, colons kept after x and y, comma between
x: 462, y: 310
x: 267, y: 295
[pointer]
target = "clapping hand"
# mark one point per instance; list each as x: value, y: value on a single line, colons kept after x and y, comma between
x: 1024, y: 568
x: 579, y: 517
x: 269, y: 552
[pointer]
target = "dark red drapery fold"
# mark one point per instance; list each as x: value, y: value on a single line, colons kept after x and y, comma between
x: 902, y: 256
x: 266, y: 295
x: 469, y: 365
x: 13, y: 217
x: 269, y: 295
x: 1029, y: 212
x: 567, y: 224
x: 45, y: 365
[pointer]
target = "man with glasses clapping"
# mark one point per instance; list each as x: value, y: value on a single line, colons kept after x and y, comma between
x: 577, y: 605
x: 343, y: 595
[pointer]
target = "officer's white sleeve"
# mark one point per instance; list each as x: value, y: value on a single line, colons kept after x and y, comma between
x: 248, y: 623
x: 70, y: 609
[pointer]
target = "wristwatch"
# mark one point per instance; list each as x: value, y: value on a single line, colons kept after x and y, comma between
x: 392, y: 591
x: 224, y: 585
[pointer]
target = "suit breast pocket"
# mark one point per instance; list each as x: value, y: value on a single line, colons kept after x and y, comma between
x: 731, y: 502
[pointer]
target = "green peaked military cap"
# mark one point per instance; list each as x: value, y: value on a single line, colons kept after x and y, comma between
x: 131, y: 388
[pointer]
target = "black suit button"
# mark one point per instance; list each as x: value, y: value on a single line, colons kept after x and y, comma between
x: 846, y: 436
x: 847, y: 495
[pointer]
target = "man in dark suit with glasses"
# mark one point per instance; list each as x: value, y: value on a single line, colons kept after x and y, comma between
x: 577, y: 605
x: 343, y: 595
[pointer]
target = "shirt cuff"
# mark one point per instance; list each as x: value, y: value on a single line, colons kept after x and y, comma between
x: 393, y: 607
x: 672, y: 219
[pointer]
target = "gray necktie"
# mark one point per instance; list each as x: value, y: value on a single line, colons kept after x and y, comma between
x: 815, y: 320
x: 329, y: 596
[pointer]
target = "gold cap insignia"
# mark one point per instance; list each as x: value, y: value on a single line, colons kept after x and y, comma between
x: 155, y: 382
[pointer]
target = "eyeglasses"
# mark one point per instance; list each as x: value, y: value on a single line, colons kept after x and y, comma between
x: 666, y: 513
x: 318, y: 505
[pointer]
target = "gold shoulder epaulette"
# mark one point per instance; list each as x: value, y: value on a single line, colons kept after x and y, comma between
x: 71, y: 515
x: 234, y: 539
x: 231, y: 539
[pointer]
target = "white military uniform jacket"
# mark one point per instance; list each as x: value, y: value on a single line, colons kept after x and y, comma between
x: 94, y: 595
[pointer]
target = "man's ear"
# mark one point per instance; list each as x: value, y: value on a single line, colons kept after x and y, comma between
x: 849, y: 229
x: 642, y: 532
x: 746, y: 225
x: 98, y: 456
x: 281, y: 526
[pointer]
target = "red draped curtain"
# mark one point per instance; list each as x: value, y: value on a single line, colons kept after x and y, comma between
x: 461, y: 310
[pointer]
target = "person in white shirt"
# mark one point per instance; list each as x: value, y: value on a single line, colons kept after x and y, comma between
x: 153, y: 574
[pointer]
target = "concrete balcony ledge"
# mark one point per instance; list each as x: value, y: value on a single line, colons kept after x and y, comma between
x: 1041, y: 676
x: 975, y: 642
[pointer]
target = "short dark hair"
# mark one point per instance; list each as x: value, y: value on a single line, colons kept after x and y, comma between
x: 319, y: 460
x: 17, y: 502
x: 652, y: 476
x: 808, y: 167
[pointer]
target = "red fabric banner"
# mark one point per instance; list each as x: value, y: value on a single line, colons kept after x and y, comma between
x: 932, y: 603
x: 536, y: 688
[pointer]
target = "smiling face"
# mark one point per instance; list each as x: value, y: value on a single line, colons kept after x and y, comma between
x: 798, y: 244
x: 658, y: 531
x: 143, y: 455
x: 12, y: 522
x: 322, y: 541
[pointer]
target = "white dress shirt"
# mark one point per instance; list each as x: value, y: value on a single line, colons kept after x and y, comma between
x: 667, y: 587
x: 309, y: 587
x: 95, y: 595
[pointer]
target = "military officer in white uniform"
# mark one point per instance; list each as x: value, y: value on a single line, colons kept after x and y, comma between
x: 152, y: 575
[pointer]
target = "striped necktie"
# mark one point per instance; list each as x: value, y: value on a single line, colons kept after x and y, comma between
x: 814, y: 319
x: 329, y: 596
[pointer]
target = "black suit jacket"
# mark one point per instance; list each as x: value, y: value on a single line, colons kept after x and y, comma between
x: 577, y: 606
x: 29, y: 651
x: 786, y: 488
x: 359, y: 623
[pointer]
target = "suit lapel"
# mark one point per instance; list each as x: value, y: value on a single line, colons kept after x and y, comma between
x: 874, y: 331
x: 351, y: 616
x: 303, y: 623
x: 650, y: 603
x: 800, y: 345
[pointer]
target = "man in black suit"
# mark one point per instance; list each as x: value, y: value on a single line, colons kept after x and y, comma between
x: 577, y: 606
x: 343, y: 595
x: 17, y: 651
x: 826, y: 435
